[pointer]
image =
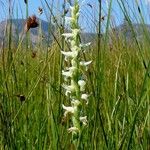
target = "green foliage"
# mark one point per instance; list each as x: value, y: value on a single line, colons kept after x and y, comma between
x: 31, y: 97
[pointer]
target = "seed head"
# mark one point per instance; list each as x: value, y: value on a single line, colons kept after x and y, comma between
x: 31, y: 23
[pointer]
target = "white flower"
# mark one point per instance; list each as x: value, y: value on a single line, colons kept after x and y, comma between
x: 76, y: 88
x: 85, y: 64
x: 74, y: 33
x: 73, y: 129
x: 67, y: 73
x: 85, y: 45
x: 67, y: 93
x: 70, y: 72
x: 85, y: 97
x: 75, y: 103
x: 68, y: 110
x: 82, y: 84
x: 84, y: 120
x: 71, y: 54
x: 67, y: 35
x: 70, y: 88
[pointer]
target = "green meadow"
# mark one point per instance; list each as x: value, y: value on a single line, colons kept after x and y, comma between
x: 118, y: 83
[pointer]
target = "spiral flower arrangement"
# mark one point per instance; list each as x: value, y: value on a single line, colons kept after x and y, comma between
x: 74, y: 77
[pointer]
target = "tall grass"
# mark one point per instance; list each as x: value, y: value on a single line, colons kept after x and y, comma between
x: 31, y: 114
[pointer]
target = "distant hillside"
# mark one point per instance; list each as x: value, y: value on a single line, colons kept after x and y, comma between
x: 18, y: 27
x: 126, y: 31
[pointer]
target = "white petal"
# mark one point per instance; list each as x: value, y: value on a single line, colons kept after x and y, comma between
x: 69, y: 88
x: 67, y: 35
x: 75, y: 103
x: 85, y: 63
x: 82, y: 84
x: 68, y: 110
x: 84, y: 120
x: 85, y: 97
x: 85, y: 45
x: 66, y: 73
x: 70, y: 72
x: 67, y: 93
x: 73, y: 129
x: 70, y: 54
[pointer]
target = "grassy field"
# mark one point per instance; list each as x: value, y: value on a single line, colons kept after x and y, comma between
x: 118, y: 81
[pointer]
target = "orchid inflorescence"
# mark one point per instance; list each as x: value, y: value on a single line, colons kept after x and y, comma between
x: 74, y: 78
